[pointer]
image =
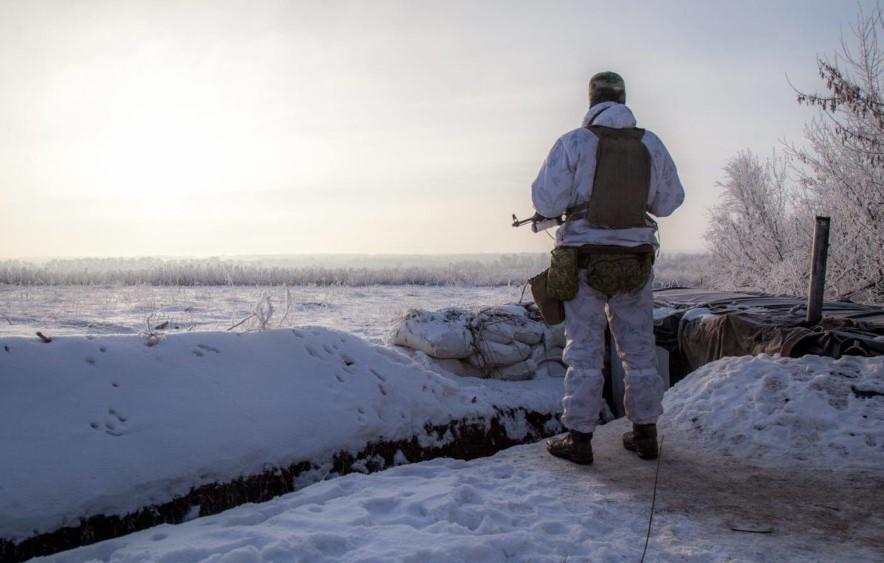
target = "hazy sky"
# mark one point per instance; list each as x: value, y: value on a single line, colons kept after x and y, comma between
x: 257, y: 127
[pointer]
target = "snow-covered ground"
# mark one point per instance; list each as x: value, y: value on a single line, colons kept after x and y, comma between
x: 109, y: 424
x: 366, y: 311
x: 773, y: 411
x: 764, y: 459
x: 741, y: 478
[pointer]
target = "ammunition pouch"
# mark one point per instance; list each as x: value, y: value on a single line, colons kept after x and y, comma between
x: 609, y: 269
x: 615, y: 269
x: 552, y: 310
x: 561, y: 278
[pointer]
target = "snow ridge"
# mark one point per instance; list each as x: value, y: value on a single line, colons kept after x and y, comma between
x: 108, y: 425
x: 818, y: 411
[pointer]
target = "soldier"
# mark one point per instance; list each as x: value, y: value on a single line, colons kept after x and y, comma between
x: 606, y: 177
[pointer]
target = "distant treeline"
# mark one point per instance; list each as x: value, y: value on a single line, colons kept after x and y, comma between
x: 491, y: 271
x: 472, y: 270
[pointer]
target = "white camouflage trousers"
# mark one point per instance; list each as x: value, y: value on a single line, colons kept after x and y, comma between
x: 631, y: 318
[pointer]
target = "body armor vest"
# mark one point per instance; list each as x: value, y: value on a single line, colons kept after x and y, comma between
x: 621, y: 183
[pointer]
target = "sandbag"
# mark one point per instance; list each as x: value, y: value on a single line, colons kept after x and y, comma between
x: 516, y: 372
x: 554, y: 337
x: 494, y: 354
x: 506, y: 323
x: 444, y: 334
x: 502, y: 342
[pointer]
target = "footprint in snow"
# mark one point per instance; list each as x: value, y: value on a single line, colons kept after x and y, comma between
x: 198, y: 354
x: 102, y: 349
x: 348, y: 361
x: 115, y: 423
x: 377, y: 374
x: 208, y: 348
x: 90, y: 360
x: 382, y: 505
x: 312, y: 351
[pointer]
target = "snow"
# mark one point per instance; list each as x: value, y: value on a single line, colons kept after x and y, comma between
x: 696, y: 313
x: 772, y: 410
x: 805, y: 500
x: 368, y: 311
x: 510, y: 505
x: 663, y: 312
x: 108, y: 424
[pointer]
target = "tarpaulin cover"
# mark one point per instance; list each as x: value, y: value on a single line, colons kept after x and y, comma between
x: 705, y: 326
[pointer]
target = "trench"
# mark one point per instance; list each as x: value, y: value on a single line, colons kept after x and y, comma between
x: 470, y: 438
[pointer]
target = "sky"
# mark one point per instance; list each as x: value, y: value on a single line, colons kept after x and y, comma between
x: 217, y: 128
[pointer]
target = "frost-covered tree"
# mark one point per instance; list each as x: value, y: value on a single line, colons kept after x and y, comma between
x: 752, y: 233
x: 844, y: 174
x: 760, y: 233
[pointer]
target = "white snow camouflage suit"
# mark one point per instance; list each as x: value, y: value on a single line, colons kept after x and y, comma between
x: 566, y: 180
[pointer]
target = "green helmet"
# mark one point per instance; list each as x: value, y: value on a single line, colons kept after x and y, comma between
x: 606, y: 87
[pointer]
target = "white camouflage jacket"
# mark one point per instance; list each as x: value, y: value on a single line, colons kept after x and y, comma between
x: 565, y: 180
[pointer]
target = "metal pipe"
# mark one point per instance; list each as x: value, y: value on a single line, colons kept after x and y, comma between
x: 818, y: 259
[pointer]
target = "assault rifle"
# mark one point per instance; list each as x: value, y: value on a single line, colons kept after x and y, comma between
x: 538, y: 222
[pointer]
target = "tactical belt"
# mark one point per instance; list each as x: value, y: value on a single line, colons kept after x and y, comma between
x: 587, y: 250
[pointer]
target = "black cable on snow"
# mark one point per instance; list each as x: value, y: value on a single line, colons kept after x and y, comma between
x: 653, y: 500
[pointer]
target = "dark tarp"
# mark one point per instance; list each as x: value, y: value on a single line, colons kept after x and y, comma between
x: 739, y: 324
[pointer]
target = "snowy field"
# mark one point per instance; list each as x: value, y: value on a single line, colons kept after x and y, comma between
x: 795, y: 476
x: 361, y: 294
x: 764, y: 459
x: 368, y: 311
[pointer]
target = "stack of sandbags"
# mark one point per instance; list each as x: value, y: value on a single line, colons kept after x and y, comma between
x: 548, y: 357
x: 505, y: 342
x: 444, y: 334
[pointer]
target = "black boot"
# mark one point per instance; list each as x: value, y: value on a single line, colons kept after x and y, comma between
x: 642, y: 440
x: 573, y: 446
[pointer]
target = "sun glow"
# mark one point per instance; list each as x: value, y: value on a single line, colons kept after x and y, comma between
x: 422, y: 125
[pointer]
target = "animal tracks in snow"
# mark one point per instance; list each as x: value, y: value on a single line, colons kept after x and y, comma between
x: 200, y: 350
x: 331, y: 353
x: 114, y: 423
x: 313, y: 352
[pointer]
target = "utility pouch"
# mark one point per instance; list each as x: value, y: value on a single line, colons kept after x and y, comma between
x: 552, y: 310
x: 561, y: 283
x: 615, y: 272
